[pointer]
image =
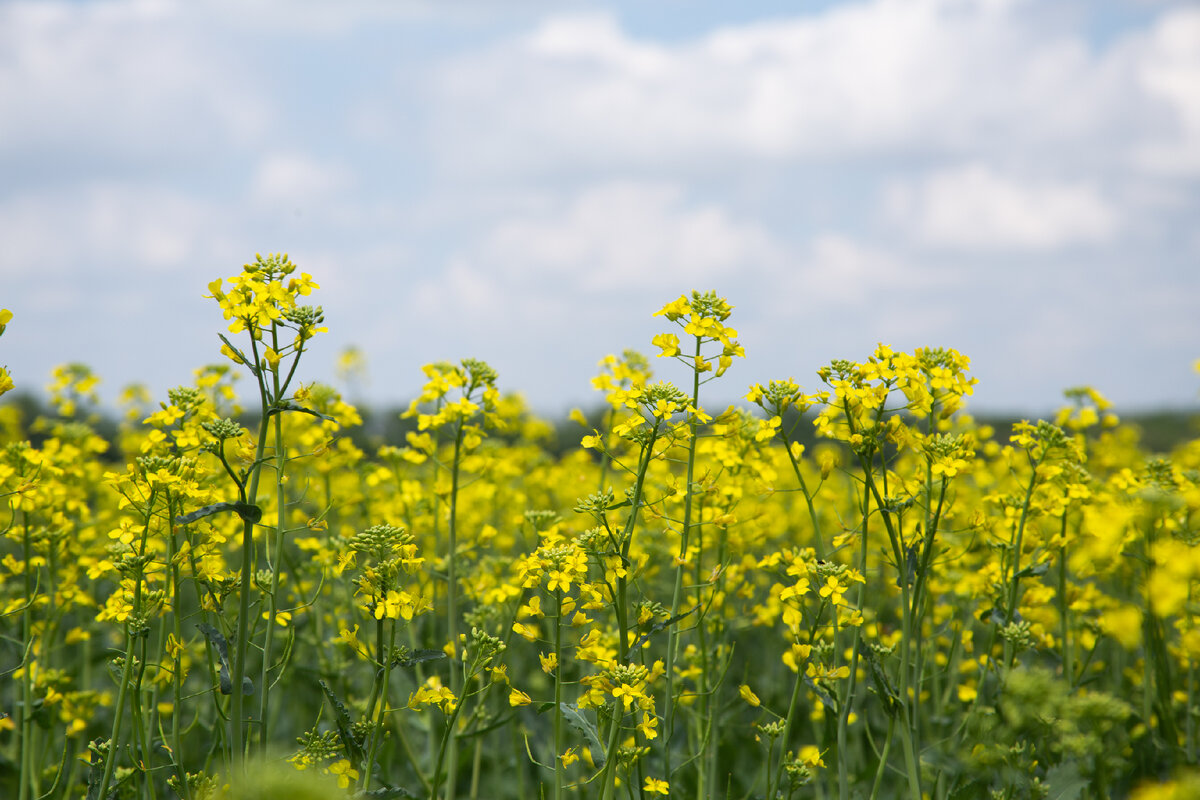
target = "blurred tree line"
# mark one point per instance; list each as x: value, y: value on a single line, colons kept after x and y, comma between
x: 1159, y: 431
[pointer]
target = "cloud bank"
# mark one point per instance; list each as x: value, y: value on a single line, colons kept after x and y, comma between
x: 1018, y: 182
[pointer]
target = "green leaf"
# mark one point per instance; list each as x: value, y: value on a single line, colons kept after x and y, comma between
x: 575, y: 718
x: 386, y: 792
x: 419, y: 657
x: 245, y: 358
x: 350, y: 744
x: 247, y: 511
x: 1034, y: 571
x: 883, y: 686
x: 95, y: 769
x: 655, y: 628
x: 288, y: 405
x: 217, y: 639
x: 909, y: 573
x: 1065, y: 782
x: 822, y: 695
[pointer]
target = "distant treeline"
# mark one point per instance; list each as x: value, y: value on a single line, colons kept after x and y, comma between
x: 1159, y: 431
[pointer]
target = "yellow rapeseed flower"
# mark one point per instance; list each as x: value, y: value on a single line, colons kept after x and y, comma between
x: 656, y: 786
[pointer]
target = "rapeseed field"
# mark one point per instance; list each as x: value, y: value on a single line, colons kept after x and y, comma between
x: 233, y: 602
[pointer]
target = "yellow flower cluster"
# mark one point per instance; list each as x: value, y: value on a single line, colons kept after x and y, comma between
x: 702, y: 317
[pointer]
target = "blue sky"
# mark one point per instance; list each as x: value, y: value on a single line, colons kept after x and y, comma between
x: 527, y: 182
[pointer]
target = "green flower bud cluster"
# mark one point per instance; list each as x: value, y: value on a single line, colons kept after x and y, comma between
x: 222, y: 429
x: 379, y: 541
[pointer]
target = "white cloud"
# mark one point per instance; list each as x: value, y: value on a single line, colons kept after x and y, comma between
x: 458, y: 291
x: 137, y: 228
x: 321, y: 19
x: 879, y: 77
x: 553, y: 286
x: 626, y: 234
x: 133, y: 80
x: 1170, y: 72
x: 296, y: 177
x: 836, y: 269
x: 836, y: 276
x: 974, y: 206
x: 596, y: 38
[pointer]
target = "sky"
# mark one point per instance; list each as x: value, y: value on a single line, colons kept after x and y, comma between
x: 527, y: 181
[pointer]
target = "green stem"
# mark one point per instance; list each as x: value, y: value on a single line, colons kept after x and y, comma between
x: 1015, y: 580
x: 677, y: 594
x: 907, y: 733
x: 476, y: 769
x: 608, y: 784
x: 242, y: 632
x: 451, y: 726
x: 1189, y: 717
x: 242, y: 635
x: 883, y: 758
x: 110, y: 759
x: 452, y: 612
x: 1064, y: 610
x: 140, y: 718
x: 608, y: 774
x: 273, y: 559
x: 788, y: 724
x: 141, y: 733
x: 558, y: 763
x: 28, y: 777
x: 177, y: 665
x: 110, y: 762
x: 381, y: 718
x: 920, y: 595
x: 818, y: 540
x: 843, y: 721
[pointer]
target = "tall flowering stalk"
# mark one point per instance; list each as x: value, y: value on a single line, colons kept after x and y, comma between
x: 389, y: 555
x: 460, y: 402
x: 932, y: 383
x: 262, y: 302
x: 653, y: 424
x: 702, y: 317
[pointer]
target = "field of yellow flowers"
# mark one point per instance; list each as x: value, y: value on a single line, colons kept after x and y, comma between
x: 243, y: 603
